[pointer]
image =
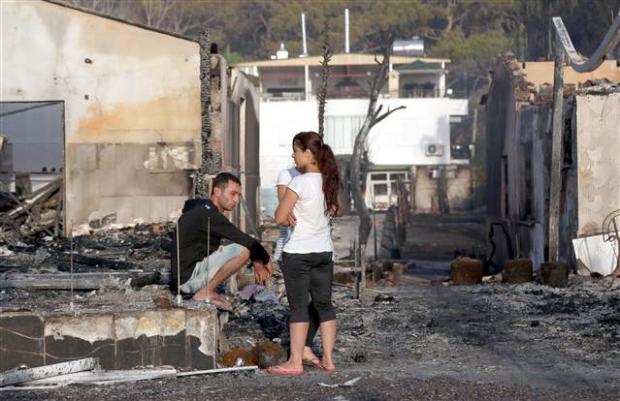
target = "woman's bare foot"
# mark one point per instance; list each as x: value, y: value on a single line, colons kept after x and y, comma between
x: 328, y: 364
x: 291, y: 366
x: 310, y: 357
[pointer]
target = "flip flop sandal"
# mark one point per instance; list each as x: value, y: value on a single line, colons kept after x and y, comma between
x: 328, y: 370
x: 279, y: 370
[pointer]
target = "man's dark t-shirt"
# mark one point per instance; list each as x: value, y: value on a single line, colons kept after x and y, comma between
x: 198, y: 215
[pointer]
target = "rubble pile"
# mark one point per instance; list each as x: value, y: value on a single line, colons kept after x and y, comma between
x: 29, y: 213
x: 258, y: 328
x: 94, y: 264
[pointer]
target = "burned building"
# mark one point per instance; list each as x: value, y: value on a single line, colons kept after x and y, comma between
x: 519, y: 110
x: 109, y: 116
x: 115, y: 110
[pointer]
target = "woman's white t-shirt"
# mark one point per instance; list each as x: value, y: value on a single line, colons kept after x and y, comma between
x: 311, y: 233
x: 286, y: 175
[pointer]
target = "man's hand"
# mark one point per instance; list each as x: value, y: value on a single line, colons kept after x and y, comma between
x: 262, y: 271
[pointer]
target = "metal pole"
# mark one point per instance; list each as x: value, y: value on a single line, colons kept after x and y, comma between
x: 556, y: 151
x: 374, y: 229
x: 346, y: 30
x: 179, y: 298
x: 303, y: 35
x: 71, y: 266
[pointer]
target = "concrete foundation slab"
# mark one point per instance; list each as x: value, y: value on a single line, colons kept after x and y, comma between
x: 183, y: 338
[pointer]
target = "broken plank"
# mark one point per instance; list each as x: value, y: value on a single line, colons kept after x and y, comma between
x: 38, y: 196
x: 97, y: 261
x: 42, y: 372
x: 77, y: 281
x: 555, y: 169
x: 104, y: 377
x: 213, y: 371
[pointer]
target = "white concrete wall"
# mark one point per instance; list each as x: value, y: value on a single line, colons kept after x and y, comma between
x: 598, y: 160
x: 400, y: 139
x: 132, y: 104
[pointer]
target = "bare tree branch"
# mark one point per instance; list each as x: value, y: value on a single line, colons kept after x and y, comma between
x: 387, y: 113
x: 373, y: 117
x: 322, y: 93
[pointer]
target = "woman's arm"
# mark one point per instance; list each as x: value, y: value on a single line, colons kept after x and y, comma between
x: 281, y: 191
x: 285, y: 208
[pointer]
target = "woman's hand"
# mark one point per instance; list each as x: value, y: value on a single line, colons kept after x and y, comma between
x: 291, y: 220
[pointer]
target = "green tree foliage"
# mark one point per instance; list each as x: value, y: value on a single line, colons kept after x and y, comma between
x: 470, y: 32
x: 475, y: 52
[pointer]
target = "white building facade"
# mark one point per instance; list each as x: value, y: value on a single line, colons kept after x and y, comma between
x: 412, y: 145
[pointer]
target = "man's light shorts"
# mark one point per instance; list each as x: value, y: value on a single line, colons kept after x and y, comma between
x: 206, y: 268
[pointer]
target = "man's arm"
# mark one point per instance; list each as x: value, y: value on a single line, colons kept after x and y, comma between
x: 222, y: 226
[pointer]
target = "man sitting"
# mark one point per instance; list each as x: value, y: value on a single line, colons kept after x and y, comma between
x: 204, y: 262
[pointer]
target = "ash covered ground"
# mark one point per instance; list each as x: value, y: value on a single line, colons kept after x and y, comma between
x: 420, y: 340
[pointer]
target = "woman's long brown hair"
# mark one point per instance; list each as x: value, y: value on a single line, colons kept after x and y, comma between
x: 327, y: 166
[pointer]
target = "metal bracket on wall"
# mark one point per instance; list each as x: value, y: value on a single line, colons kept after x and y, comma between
x: 578, y: 62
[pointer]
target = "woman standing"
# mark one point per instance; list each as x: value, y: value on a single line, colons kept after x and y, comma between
x: 284, y: 178
x: 312, y: 198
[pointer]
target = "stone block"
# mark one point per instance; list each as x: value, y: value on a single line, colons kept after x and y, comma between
x: 150, y: 338
x: 21, y: 340
x: 466, y: 271
x: 195, y: 357
x: 202, y: 332
x: 69, y: 337
x: 555, y: 274
x: 517, y: 271
x: 172, y: 350
x: 129, y: 353
x: 71, y: 348
x: 183, y: 338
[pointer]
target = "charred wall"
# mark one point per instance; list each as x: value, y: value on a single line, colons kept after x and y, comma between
x: 132, y: 106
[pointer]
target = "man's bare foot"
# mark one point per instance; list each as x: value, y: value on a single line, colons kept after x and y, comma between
x: 203, y: 294
x: 214, y: 298
x: 221, y: 303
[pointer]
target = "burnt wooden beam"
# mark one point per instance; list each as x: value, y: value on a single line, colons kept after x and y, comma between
x: 96, y: 261
x: 555, y: 186
x: 206, y: 166
x: 76, y: 281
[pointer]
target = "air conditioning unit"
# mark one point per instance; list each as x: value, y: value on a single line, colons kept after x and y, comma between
x: 433, y: 149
